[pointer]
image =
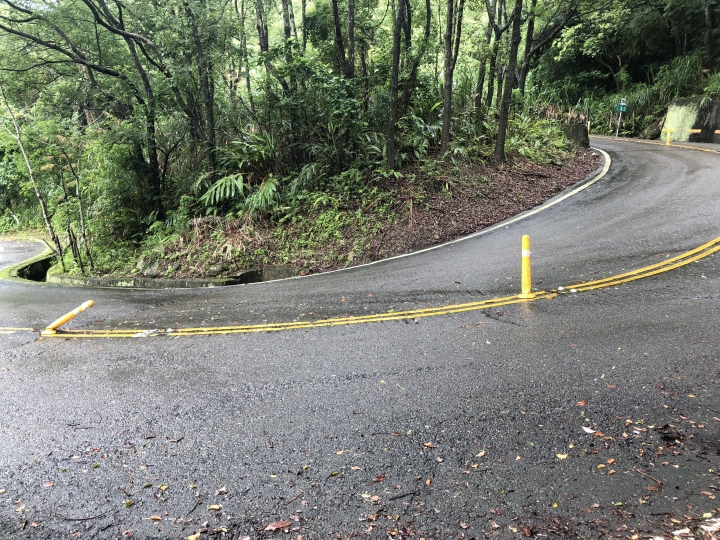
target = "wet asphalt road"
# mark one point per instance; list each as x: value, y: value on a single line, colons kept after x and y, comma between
x: 448, y: 427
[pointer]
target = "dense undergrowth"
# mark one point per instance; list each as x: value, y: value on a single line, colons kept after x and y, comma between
x: 647, y: 100
x: 311, y: 220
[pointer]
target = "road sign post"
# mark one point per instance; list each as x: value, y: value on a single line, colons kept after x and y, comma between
x: 621, y: 108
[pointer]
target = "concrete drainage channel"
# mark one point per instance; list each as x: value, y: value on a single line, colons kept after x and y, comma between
x: 37, y: 270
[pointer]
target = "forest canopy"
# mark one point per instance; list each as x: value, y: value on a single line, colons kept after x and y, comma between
x: 126, y: 120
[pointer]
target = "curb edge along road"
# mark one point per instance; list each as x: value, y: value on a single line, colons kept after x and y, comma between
x: 583, y: 184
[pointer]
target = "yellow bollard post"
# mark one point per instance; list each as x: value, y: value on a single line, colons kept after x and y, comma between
x: 526, y: 280
x: 51, y: 328
x: 667, y: 131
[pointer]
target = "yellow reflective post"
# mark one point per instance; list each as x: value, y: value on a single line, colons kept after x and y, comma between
x: 65, y: 318
x: 526, y: 279
x: 668, y: 131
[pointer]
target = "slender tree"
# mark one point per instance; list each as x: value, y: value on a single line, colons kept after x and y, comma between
x: 451, y: 39
x: 509, y: 81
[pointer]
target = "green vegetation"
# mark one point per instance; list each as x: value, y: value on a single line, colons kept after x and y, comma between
x: 216, y: 136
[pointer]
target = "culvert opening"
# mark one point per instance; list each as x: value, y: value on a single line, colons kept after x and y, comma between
x: 38, y: 270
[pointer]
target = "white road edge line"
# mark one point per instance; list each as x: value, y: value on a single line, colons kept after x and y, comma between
x: 552, y: 202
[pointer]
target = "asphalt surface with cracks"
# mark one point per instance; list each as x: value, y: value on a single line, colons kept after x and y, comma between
x: 458, y: 426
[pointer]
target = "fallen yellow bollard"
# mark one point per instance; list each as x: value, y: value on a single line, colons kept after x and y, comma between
x: 51, y: 329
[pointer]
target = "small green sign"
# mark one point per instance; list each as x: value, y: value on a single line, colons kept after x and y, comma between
x: 622, y: 108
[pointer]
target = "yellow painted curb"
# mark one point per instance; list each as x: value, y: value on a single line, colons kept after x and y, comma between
x: 641, y: 141
x: 665, y: 266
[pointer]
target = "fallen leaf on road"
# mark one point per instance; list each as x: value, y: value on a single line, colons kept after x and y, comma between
x: 612, y: 471
x: 374, y: 498
x: 379, y: 478
x: 428, y: 482
x: 692, y: 396
x: 463, y: 525
x: 339, y: 452
x: 20, y: 509
x: 561, y: 456
x: 601, y: 466
x: 355, y: 468
x: 49, y: 484
x: 599, y: 434
x: 34, y: 524
x: 582, y: 403
x: 214, y: 507
x: 481, y: 454
x: 588, y: 430
x: 156, y: 518
x: 277, y: 525
x: 222, y: 490
x: 707, y: 515
x: 195, y: 536
x: 610, y: 461
x: 128, y: 503
x: 429, y: 445
x: 527, y: 531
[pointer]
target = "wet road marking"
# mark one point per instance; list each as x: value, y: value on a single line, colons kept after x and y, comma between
x: 673, y: 263
x: 656, y: 143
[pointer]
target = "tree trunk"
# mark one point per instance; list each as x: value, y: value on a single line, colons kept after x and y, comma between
x: 483, y: 66
x: 339, y: 43
x: 509, y: 80
x: 244, y: 55
x: 709, y: 45
x: 411, y: 80
x: 453, y: 29
x: 492, y: 70
x: 365, y: 75
x: 303, y: 7
x: 616, y: 78
x: 261, y: 27
x: 206, y: 88
x: 43, y: 207
x: 351, y: 40
x: 390, y: 144
x: 527, y: 53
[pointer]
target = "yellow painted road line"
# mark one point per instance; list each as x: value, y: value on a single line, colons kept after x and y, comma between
x: 16, y: 329
x: 275, y: 327
x: 591, y: 285
x: 654, y: 269
x: 666, y: 262
x: 639, y: 141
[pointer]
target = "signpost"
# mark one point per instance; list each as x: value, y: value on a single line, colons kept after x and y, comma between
x: 621, y: 108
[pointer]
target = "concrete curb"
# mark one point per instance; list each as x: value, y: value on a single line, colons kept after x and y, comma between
x: 273, y: 274
x: 14, y: 271
x: 153, y: 283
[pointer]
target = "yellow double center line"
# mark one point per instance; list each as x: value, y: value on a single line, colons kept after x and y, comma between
x: 665, y: 266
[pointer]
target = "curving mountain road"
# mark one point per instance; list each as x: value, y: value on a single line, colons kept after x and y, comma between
x: 460, y: 425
